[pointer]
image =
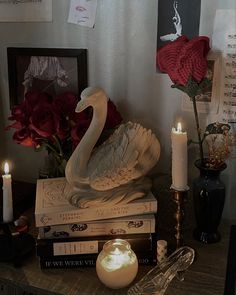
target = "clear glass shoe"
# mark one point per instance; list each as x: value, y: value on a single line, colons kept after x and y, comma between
x: 156, y: 281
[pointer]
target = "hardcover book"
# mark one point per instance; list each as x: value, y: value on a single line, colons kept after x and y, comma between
x: 75, y: 261
x: 137, y: 224
x: 52, y: 207
x: 90, y: 245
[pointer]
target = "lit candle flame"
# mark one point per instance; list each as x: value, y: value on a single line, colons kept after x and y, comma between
x: 179, y: 127
x: 6, y: 168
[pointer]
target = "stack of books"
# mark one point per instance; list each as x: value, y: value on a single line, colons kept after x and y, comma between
x: 71, y: 237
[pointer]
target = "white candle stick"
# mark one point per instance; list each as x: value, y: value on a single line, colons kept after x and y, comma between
x: 7, y: 195
x: 179, y: 159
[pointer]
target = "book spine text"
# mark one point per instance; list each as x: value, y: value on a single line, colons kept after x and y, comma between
x: 48, y: 263
x: 75, y: 216
x: 106, y: 227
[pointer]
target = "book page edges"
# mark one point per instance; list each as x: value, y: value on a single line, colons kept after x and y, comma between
x: 70, y: 214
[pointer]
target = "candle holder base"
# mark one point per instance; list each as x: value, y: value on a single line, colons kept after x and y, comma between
x: 206, y: 238
x: 5, y: 228
x: 179, y: 197
x: 14, y: 246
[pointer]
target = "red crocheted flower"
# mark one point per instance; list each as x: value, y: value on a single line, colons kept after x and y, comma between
x: 184, y: 58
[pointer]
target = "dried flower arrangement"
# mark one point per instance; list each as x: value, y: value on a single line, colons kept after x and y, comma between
x: 218, y: 139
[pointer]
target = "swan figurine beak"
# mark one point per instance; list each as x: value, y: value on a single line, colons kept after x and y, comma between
x: 88, y: 96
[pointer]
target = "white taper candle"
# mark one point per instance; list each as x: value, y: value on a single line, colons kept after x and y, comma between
x: 179, y: 159
x: 7, y: 195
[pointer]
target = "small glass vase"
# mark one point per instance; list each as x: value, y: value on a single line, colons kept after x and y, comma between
x: 53, y: 167
x: 208, y: 200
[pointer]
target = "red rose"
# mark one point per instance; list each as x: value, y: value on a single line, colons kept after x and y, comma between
x: 52, y: 123
x: 26, y: 137
x: 16, y: 125
x: 184, y: 58
x: 21, y: 115
x: 65, y: 104
x: 113, y: 116
x: 33, y: 98
x: 44, y: 121
x: 64, y: 107
x: 80, y: 124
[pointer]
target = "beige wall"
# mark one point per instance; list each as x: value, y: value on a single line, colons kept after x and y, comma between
x: 121, y: 55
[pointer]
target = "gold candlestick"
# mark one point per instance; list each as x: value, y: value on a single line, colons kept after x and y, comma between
x: 179, y: 197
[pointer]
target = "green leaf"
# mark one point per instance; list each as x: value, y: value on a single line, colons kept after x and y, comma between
x: 192, y: 88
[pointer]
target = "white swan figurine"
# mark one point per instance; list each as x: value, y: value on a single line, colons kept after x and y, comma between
x: 113, y: 172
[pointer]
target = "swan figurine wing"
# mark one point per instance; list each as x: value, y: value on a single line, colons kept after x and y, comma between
x: 128, y: 154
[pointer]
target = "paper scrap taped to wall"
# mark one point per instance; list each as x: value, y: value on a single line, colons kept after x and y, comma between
x: 224, y: 39
x: 83, y: 12
x: 25, y: 10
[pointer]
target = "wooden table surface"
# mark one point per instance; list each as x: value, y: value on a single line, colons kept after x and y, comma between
x: 206, y: 276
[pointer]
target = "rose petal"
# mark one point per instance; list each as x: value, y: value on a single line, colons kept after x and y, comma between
x: 167, y: 57
x: 183, y: 59
x: 192, y: 60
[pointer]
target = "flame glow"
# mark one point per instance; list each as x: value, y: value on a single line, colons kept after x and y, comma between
x: 6, y: 168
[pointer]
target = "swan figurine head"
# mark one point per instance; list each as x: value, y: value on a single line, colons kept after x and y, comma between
x: 91, y: 96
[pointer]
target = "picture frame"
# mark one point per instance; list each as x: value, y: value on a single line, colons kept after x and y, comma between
x: 208, y: 102
x: 51, y: 70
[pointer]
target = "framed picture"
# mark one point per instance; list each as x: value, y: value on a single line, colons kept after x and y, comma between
x: 208, y: 101
x: 51, y: 70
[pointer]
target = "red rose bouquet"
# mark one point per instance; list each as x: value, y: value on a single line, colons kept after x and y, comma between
x: 45, y: 122
x: 185, y: 61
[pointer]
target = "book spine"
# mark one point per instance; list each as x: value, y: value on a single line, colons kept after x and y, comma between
x: 106, y: 227
x: 89, y: 214
x: 73, y: 246
x: 84, y: 261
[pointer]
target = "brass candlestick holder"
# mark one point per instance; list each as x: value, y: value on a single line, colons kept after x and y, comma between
x: 179, y: 197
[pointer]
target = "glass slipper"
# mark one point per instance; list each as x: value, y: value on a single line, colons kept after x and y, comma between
x: 156, y: 281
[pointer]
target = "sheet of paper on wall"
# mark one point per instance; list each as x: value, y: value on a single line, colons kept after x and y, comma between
x: 25, y: 10
x: 83, y: 12
x: 208, y: 102
x: 224, y: 39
